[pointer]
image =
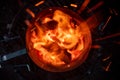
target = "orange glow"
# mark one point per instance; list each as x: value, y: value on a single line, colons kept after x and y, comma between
x: 63, y: 36
x: 106, y: 58
x: 107, y: 68
x: 58, y: 40
x: 83, y: 6
x: 73, y: 5
x: 30, y: 12
x: 108, y: 37
x: 39, y: 3
x: 96, y: 46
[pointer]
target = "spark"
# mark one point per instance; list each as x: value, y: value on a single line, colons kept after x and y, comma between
x: 115, y: 12
x: 39, y: 3
x: 109, y: 18
x: 30, y: 12
x: 108, y: 66
x: 84, y: 5
x: 73, y: 5
x: 106, y: 58
x: 65, y: 6
x: 107, y: 37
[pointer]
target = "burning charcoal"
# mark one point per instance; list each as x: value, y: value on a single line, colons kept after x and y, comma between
x: 51, y: 24
x: 66, y: 57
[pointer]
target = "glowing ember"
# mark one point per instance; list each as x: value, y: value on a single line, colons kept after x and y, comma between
x: 58, y: 41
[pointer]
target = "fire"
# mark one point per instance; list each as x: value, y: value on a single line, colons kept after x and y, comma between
x: 58, y: 38
x: 64, y: 36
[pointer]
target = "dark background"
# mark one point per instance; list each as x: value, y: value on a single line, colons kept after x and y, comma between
x: 12, y: 39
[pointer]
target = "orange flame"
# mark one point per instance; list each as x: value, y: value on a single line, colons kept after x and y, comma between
x: 59, y: 40
x: 63, y: 36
